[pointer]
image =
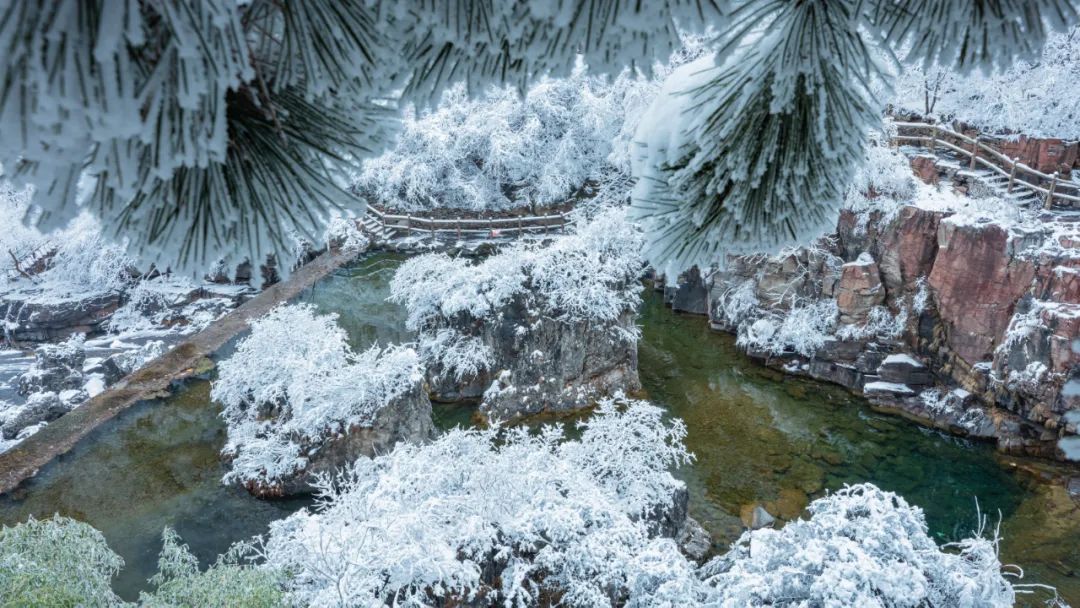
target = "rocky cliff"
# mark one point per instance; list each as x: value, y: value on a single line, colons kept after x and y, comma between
x: 539, y: 362
x: 954, y: 316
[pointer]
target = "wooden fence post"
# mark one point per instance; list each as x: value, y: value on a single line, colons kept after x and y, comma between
x: 544, y: 219
x: 457, y: 224
x: 1050, y: 193
x: 933, y: 138
x: 974, y: 153
x: 1012, y: 174
x: 408, y: 224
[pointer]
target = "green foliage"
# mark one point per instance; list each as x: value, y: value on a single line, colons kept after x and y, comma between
x: 57, y: 563
x: 228, y: 582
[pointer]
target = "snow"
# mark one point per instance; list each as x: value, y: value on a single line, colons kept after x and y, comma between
x: 1070, y: 447
x: 300, y: 364
x: 1037, y: 98
x: 902, y: 359
x: 879, y: 386
x: 506, y: 513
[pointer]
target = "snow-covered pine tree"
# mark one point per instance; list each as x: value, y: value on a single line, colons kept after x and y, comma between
x: 201, y: 129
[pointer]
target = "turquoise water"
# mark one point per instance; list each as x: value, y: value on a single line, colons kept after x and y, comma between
x: 759, y: 437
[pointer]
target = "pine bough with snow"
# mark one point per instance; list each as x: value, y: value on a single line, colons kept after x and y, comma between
x: 298, y: 401
x: 537, y: 326
x: 194, y: 129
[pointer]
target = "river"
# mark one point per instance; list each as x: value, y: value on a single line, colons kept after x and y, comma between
x: 759, y: 437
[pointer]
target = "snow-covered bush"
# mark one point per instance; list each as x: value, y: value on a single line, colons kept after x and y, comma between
x: 502, y: 151
x: 498, y: 518
x: 861, y: 547
x: 1035, y: 98
x: 79, y: 261
x: 880, y: 323
x: 883, y: 183
x: 56, y: 562
x: 505, y: 150
x: 589, y: 275
x: 803, y: 329
x: 295, y: 381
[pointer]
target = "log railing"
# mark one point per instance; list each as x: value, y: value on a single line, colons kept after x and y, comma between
x: 1048, y: 186
x: 470, y: 227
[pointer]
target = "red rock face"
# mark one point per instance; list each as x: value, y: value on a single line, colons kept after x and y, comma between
x: 858, y: 291
x: 1046, y: 155
x: 908, y: 251
x: 976, y: 286
x: 925, y: 168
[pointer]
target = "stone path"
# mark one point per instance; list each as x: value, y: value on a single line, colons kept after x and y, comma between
x: 154, y: 380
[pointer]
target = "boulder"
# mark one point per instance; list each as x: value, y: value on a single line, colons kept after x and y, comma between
x: 924, y: 166
x: 56, y: 368
x: 406, y: 419
x: 542, y: 364
x: 40, y: 407
x: 691, y: 294
x: 904, y: 369
x: 43, y: 322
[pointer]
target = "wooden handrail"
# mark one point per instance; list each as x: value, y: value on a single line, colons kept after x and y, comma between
x: 469, y: 226
x: 1011, y: 166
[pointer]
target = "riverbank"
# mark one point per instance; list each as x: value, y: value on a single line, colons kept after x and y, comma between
x: 153, y: 380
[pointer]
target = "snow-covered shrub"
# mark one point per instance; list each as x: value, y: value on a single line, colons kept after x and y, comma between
x: 739, y: 303
x: 505, y: 150
x: 803, y: 329
x: 880, y: 323
x: 56, y: 562
x: 589, y: 275
x: 227, y: 582
x: 497, y: 518
x: 861, y: 546
x: 79, y: 261
x: 343, y: 232
x: 883, y: 183
x: 1036, y: 98
x: 295, y: 381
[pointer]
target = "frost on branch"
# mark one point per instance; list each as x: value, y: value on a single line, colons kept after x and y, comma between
x: 557, y: 317
x: 743, y: 152
x: 498, y: 518
x: 861, y: 547
x: 297, y: 400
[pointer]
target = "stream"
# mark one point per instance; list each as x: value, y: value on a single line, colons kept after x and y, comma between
x: 760, y: 437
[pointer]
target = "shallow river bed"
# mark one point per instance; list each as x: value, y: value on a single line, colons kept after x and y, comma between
x: 759, y: 437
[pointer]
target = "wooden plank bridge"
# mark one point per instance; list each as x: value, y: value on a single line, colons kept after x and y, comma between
x: 382, y: 226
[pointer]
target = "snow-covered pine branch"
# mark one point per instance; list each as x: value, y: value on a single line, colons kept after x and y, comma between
x: 295, y: 383
x: 216, y: 129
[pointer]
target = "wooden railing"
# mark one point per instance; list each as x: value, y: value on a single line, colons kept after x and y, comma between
x: 470, y: 227
x: 1018, y: 174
